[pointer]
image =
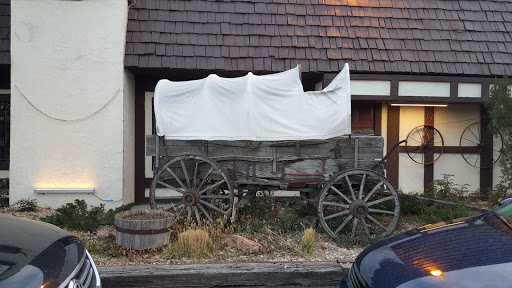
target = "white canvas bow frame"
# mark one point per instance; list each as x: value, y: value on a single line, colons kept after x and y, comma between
x: 263, y: 108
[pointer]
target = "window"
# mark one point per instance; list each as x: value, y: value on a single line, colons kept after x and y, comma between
x: 362, y: 116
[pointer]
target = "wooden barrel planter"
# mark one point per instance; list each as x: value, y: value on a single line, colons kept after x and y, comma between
x: 143, y: 229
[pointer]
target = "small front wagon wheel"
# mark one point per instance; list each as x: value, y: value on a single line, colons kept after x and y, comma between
x: 358, y: 202
x: 193, y: 187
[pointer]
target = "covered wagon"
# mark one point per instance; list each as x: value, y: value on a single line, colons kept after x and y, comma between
x: 220, y: 140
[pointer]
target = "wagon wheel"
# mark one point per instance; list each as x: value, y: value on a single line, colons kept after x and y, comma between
x: 422, y: 139
x: 361, y: 197
x: 471, y: 145
x: 194, y: 188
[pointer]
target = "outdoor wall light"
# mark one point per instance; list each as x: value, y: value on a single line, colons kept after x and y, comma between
x: 420, y: 105
x: 64, y: 191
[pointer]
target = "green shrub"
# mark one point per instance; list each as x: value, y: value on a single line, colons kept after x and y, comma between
x: 76, y: 216
x: 26, y: 205
x: 4, y: 192
x: 425, y: 214
x: 266, y: 213
x: 447, y: 190
x: 499, y: 192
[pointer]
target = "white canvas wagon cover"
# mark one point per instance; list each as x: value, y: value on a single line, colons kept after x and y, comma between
x: 263, y: 108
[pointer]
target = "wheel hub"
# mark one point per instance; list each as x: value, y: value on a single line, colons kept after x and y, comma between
x: 359, y: 209
x: 190, y: 197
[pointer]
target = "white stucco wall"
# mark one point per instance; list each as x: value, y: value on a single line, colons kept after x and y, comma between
x: 368, y: 87
x: 425, y: 89
x: 410, y: 173
x: 68, y: 93
x: 129, y: 138
x: 452, y: 120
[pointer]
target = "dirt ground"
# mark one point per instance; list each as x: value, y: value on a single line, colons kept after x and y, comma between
x: 282, y: 247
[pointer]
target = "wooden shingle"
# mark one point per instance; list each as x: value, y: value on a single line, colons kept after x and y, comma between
x: 418, y: 34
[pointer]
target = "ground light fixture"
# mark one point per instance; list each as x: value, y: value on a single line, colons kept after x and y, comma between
x: 419, y: 105
x: 64, y: 190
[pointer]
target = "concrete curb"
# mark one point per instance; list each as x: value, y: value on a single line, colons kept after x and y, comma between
x: 225, y: 274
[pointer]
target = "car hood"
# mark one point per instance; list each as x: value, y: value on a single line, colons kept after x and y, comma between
x: 471, y: 252
x: 22, y: 240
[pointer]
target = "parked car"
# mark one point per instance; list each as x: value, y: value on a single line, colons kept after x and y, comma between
x: 39, y: 255
x: 468, y: 252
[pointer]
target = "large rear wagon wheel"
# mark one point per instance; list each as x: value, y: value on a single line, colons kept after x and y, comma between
x: 193, y: 187
x: 358, y: 202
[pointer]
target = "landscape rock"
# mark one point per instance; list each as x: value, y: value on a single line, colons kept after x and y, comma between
x: 246, y: 245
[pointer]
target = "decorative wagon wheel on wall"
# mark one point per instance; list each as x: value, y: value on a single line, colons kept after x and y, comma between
x: 472, y: 145
x: 194, y: 188
x: 424, y: 139
x: 358, y: 201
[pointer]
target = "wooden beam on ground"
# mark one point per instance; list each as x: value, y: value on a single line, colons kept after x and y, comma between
x: 440, y: 203
x: 225, y: 274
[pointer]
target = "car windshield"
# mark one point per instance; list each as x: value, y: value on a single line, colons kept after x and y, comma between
x: 505, y: 213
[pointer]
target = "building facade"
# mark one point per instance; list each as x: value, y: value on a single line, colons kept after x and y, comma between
x: 81, y: 82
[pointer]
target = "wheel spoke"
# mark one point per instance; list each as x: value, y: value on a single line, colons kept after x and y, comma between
x: 176, y: 177
x: 361, y: 188
x: 212, y: 186
x: 215, y: 197
x: 476, y: 143
x: 170, y: 187
x: 373, y: 191
x: 175, y: 208
x: 205, y: 178
x: 337, y: 204
x: 381, y: 211
x: 195, y: 175
x: 189, y: 215
x: 380, y: 201
x: 197, y: 216
x: 376, y: 222
x: 185, y: 173
x: 163, y: 198
x: 205, y: 212
x: 420, y: 136
x: 350, y: 187
x: 343, y: 224
x: 354, y: 226
x: 419, y: 152
x: 337, y: 214
x: 212, y: 206
x: 365, y: 228
x: 341, y: 194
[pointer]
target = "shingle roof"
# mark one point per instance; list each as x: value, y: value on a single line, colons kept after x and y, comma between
x: 466, y: 37
x: 5, y: 32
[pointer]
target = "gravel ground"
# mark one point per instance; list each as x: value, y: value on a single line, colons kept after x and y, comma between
x: 282, y: 247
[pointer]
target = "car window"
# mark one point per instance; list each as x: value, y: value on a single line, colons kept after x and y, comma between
x: 505, y: 213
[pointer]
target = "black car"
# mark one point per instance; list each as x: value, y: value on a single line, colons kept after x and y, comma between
x: 469, y: 252
x: 39, y: 255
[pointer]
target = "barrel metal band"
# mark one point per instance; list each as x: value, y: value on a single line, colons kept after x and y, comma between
x: 142, y: 232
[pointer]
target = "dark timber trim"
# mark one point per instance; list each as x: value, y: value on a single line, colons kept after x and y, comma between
x: 486, y: 156
x: 420, y: 78
x: 139, y: 142
x: 377, y: 125
x: 142, y: 85
x: 428, y: 169
x: 393, y: 137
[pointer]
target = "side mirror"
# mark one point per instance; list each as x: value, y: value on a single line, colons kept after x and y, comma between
x: 504, y: 201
